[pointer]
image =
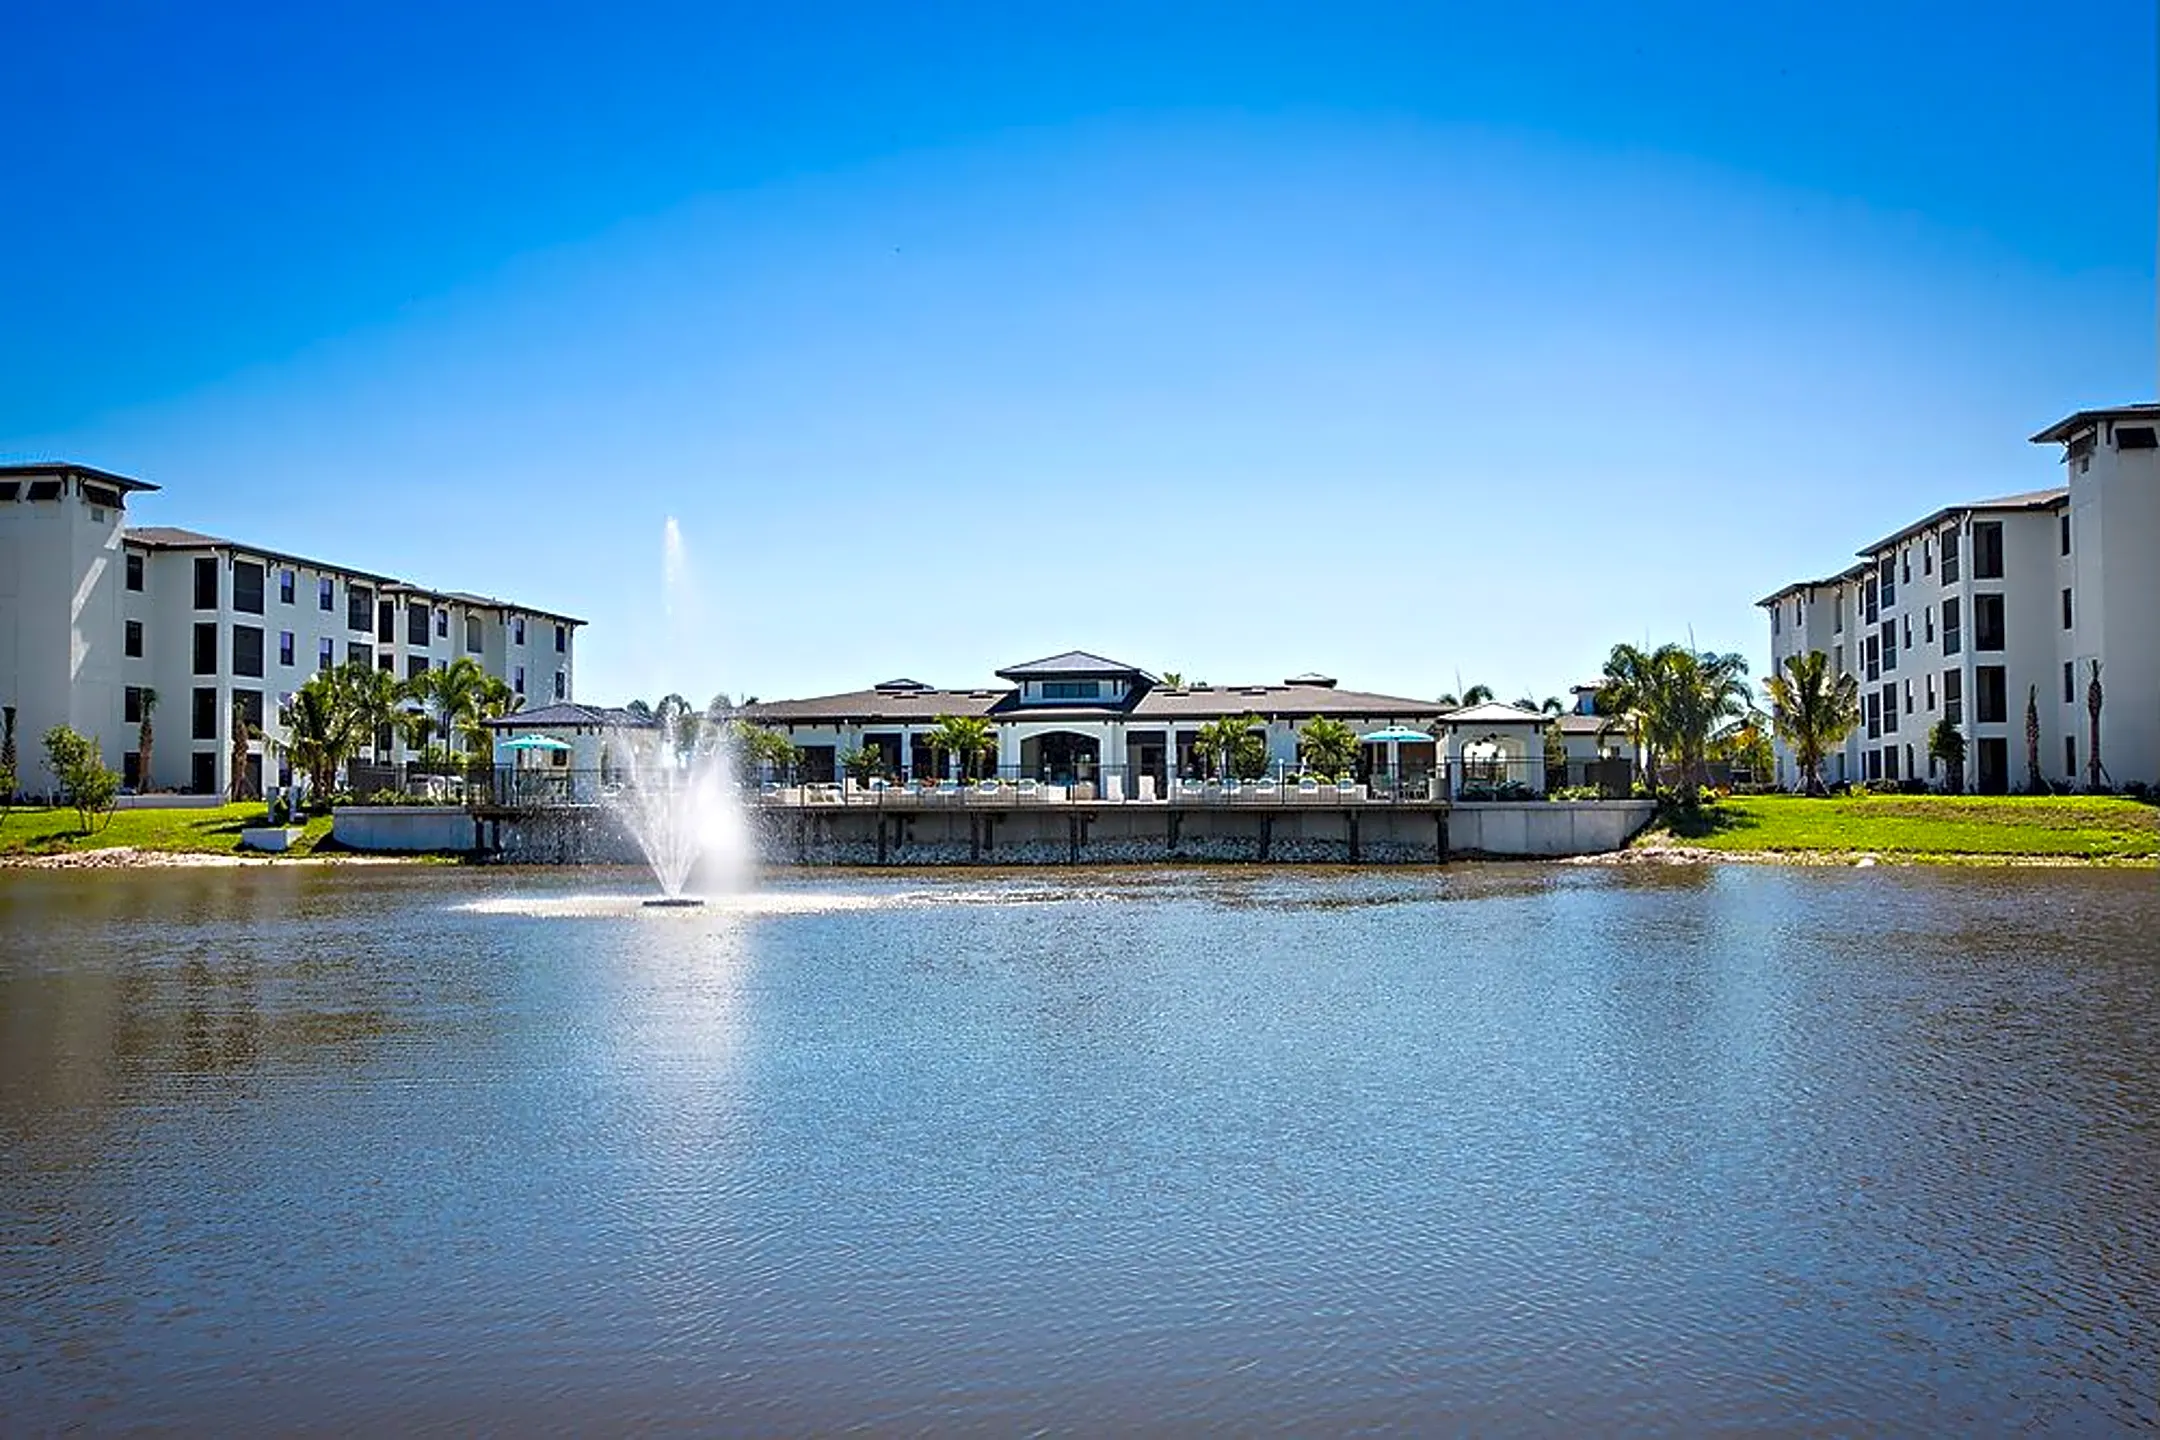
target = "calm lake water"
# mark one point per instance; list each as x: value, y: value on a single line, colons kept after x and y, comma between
x: 1506, y: 1148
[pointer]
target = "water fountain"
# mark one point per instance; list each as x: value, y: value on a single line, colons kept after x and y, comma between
x: 679, y: 799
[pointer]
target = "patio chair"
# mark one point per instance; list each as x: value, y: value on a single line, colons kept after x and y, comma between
x: 1308, y: 789
x: 1346, y: 789
x: 1029, y: 789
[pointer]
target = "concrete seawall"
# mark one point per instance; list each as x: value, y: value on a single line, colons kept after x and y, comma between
x: 1048, y: 835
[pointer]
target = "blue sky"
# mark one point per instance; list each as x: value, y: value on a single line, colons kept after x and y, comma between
x: 1420, y: 345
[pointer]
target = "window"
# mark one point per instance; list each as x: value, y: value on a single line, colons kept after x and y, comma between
x: 131, y: 705
x: 1874, y: 764
x: 250, y: 705
x: 517, y: 679
x: 2135, y: 437
x: 1950, y: 555
x: 416, y: 623
x: 285, y: 647
x: 415, y: 666
x: 562, y: 685
x: 1889, y: 758
x: 1907, y: 642
x: 1927, y: 621
x: 206, y: 583
x: 204, y: 714
x: 206, y: 649
x: 386, y: 621
x: 472, y: 634
x: 325, y: 654
x: 1908, y: 697
x: 325, y: 594
x: 1874, y: 658
x: 247, y: 587
x: 2064, y: 522
x: 287, y: 583
x: 1991, y: 702
x: 1987, y: 550
x: 1874, y: 715
x: 386, y: 661
x: 247, y: 650
x: 134, y: 570
x: 1889, y: 709
x: 1871, y: 600
x: 359, y: 607
x: 2069, y: 682
x: 1886, y: 577
x: 442, y: 624
x: 2070, y: 755
x: 1953, y: 639
x: 2066, y: 611
x: 131, y: 770
x: 1071, y: 689
x: 1889, y: 645
x: 1954, y: 697
x: 1931, y: 694
x: 1777, y: 614
x: 1905, y: 565
x: 1987, y: 622
x: 357, y: 653
x: 133, y: 643
x: 1927, y: 557
x: 44, y: 490
x: 517, y: 631
x: 562, y: 639
x: 203, y: 773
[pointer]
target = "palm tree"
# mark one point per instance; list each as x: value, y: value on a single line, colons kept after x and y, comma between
x: 374, y: 699
x: 1328, y: 747
x: 321, y: 733
x: 494, y: 701
x: 242, y: 732
x: 1696, y: 694
x: 453, y: 692
x: 1229, y: 740
x: 1475, y: 695
x: 7, y: 754
x: 1550, y: 705
x: 1946, y: 744
x: 1173, y: 680
x: 1812, y: 711
x: 2033, y: 783
x: 2094, y: 770
x: 145, y: 738
x: 1626, y: 699
x: 965, y: 738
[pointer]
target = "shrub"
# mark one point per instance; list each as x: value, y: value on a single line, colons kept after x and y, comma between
x: 1574, y: 792
x: 85, y: 783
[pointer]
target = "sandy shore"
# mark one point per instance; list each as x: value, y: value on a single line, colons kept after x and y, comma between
x: 1662, y: 853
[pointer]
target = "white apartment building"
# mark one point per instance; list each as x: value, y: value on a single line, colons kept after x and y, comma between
x: 1982, y: 609
x: 94, y: 613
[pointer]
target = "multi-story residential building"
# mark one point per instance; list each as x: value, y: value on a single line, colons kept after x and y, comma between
x: 1983, y: 612
x: 95, y: 614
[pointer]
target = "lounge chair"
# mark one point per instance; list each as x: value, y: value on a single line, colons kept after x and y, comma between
x: 1029, y: 790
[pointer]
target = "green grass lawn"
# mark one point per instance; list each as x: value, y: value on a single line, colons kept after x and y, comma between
x: 213, y: 831
x: 2090, y: 827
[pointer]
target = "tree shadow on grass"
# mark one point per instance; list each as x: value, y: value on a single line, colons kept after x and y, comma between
x: 1704, y: 822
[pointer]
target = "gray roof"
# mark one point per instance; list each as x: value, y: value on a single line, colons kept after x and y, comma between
x: 68, y: 467
x: 2027, y: 500
x: 1072, y: 662
x: 2065, y: 428
x: 860, y: 707
x: 1493, y: 712
x: 173, y: 537
x: 1586, y: 724
x: 1291, y: 702
x: 565, y: 712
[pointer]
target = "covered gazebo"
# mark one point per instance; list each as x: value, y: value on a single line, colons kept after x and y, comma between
x: 1389, y: 743
x: 1495, y: 751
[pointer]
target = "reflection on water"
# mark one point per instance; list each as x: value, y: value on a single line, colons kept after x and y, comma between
x: 1503, y: 1147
